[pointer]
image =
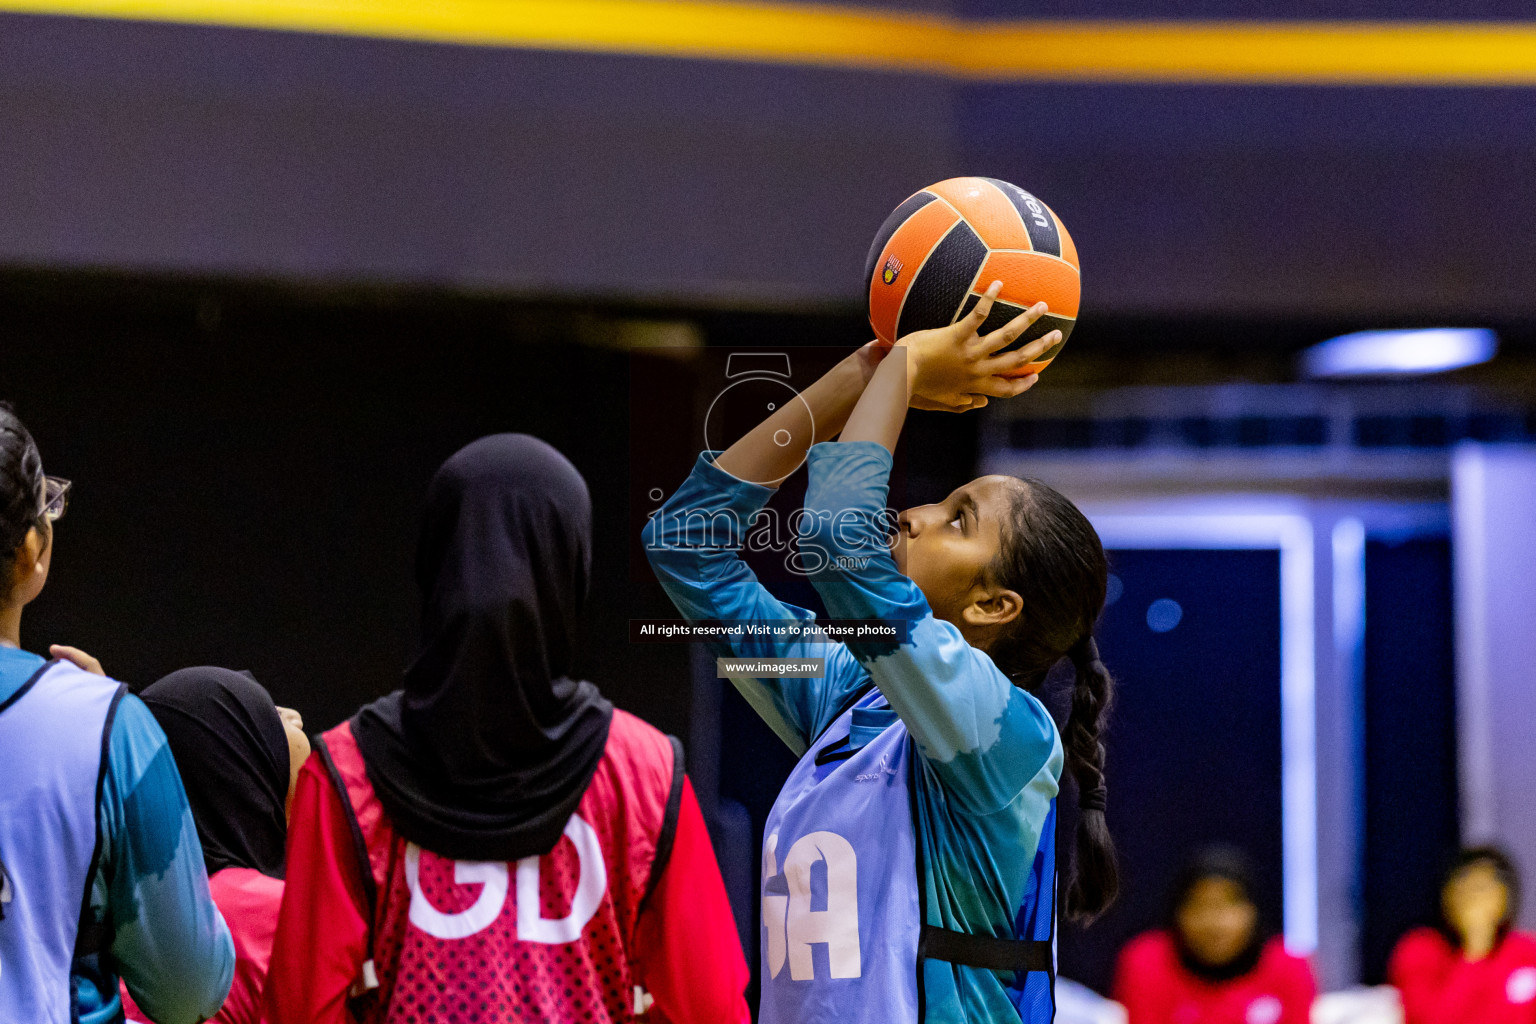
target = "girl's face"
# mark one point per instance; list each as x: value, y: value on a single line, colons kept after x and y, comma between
x: 1217, y: 920
x: 947, y: 547
x: 1475, y: 899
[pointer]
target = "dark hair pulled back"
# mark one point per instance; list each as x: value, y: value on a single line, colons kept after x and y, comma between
x: 1052, y: 557
x: 21, y: 480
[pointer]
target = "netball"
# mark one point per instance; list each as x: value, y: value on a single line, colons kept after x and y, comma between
x: 936, y: 253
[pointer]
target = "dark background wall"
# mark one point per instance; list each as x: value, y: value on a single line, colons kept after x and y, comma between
x: 450, y: 235
x: 246, y: 488
x: 223, y: 151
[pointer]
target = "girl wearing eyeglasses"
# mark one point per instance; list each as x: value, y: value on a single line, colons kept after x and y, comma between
x: 107, y: 880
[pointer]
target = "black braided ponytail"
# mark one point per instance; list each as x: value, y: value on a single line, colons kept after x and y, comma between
x: 1095, y: 872
x: 1052, y: 557
x: 21, y: 481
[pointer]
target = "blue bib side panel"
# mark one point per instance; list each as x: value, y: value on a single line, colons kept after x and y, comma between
x: 53, y: 734
x: 1030, y: 996
x: 1033, y: 993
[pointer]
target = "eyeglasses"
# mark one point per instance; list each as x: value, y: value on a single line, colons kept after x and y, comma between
x: 55, y: 497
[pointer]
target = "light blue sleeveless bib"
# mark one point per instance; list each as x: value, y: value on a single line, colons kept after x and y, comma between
x: 52, y: 754
x: 842, y: 904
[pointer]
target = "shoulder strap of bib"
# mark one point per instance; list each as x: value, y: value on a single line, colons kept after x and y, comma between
x: 983, y: 951
x: 21, y: 690
x: 668, y: 834
x: 94, y: 936
x: 368, y: 978
x: 359, y: 844
x: 847, y: 705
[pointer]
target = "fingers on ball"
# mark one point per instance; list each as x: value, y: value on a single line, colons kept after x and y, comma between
x: 1037, y: 348
x: 984, y: 304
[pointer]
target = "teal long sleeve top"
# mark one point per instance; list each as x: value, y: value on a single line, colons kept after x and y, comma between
x: 990, y: 756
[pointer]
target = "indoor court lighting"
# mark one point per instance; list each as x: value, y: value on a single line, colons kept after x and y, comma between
x: 1383, y: 353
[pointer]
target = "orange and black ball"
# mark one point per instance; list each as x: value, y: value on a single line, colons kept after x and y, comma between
x: 940, y: 249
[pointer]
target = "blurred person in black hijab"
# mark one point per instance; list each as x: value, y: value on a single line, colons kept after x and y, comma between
x: 1214, y: 963
x: 238, y: 755
x: 1474, y: 966
x: 494, y: 761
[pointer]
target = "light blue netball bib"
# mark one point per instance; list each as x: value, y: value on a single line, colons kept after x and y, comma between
x: 841, y: 901
x: 52, y: 745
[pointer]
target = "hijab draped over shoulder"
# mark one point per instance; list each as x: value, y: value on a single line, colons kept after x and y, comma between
x: 489, y: 747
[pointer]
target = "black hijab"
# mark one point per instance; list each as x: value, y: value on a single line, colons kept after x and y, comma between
x: 232, y: 752
x: 1233, y: 865
x: 488, y: 749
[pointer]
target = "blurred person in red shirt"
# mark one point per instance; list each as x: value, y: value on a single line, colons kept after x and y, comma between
x: 1474, y: 968
x: 495, y: 843
x: 1214, y: 964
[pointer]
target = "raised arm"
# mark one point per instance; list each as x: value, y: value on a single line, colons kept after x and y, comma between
x: 984, y: 737
x: 775, y: 448
x: 694, y: 543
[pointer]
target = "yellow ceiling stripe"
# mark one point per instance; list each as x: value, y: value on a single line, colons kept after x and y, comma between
x: 1312, y: 53
x: 1320, y: 53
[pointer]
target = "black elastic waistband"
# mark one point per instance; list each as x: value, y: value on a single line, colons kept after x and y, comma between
x: 985, y: 951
